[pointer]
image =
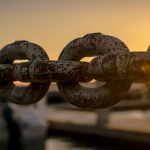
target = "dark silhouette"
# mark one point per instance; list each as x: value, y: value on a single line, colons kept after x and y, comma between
x: 14, y: 140
x: 54, y: 98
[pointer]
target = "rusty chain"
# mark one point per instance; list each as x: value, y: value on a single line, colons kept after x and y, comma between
x: 113, y: 63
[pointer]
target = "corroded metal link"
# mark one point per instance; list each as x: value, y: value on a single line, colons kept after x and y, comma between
x: 133, y: 66
x: 6, y: 72
x: 94, y: 44
x: 114, y: 64
x: 44, y: 71
x: 22, y: 95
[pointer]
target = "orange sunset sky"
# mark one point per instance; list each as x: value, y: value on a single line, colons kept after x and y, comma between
x: 53, y: 23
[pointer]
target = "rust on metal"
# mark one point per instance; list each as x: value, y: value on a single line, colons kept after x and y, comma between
x: 6, y: 71
x: 113, y: 64
x: 44, y: 71
x: 94, y: 44
x: 35, y: 91
x: 133, y: 66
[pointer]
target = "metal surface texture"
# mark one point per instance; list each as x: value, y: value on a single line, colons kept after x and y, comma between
x: 16, y: 51
x: 44, y: 71
x: 113, y: 64
x: 94, y: 44
x: 133, y: 66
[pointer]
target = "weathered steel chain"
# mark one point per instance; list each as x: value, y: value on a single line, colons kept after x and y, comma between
x: 113, y: 64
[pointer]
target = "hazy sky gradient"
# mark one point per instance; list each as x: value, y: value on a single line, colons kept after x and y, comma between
x: 54, y: 23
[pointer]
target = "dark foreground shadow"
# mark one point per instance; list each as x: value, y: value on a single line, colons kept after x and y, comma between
x: 14, y: 131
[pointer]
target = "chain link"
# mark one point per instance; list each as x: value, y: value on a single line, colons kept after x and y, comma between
x: 113, y: 64
x: 21, y: 50
x: 94, y: 44
x: 133, y: 66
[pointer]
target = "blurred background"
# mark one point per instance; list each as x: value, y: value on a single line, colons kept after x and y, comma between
x: 52, y: 24
x: 53, y: 124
